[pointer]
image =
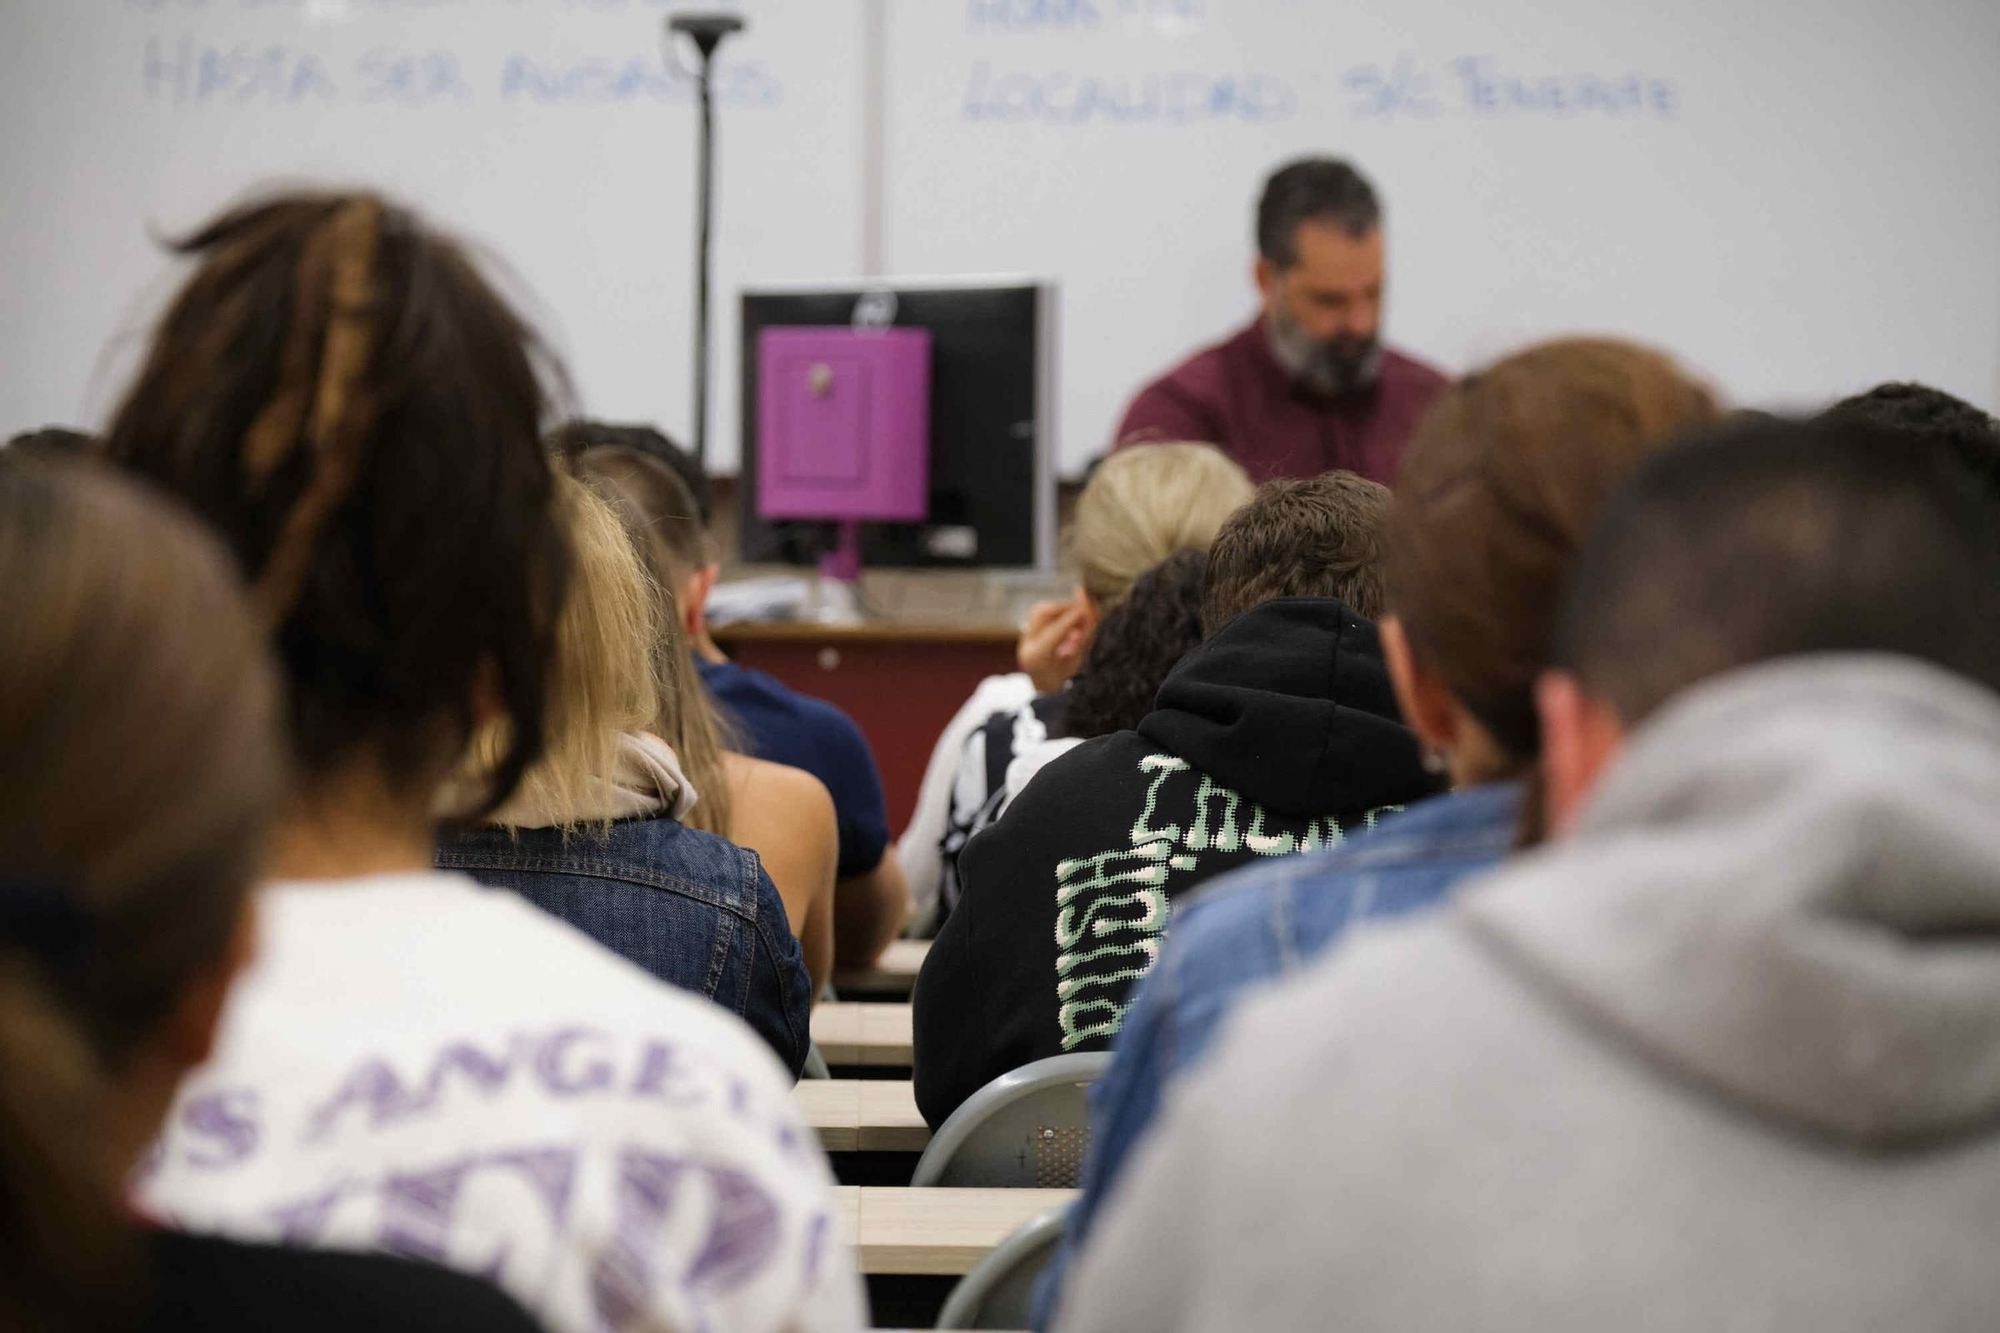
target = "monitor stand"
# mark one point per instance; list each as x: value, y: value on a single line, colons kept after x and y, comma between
x: 837, y: 600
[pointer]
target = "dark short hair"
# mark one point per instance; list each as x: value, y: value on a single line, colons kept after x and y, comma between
x: 343, y: 396
x: 53, y: 442
x: 1918, y: 412
x: 573, y: 437
x: 1142, y: 638
x: 1320, y: 537
x: 1774, y: 539
x: 1313, y: 189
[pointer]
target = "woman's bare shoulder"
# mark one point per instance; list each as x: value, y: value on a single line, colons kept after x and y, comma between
x: 761, y: 783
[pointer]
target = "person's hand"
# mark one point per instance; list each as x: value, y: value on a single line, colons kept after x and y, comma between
x: 1053, y: 642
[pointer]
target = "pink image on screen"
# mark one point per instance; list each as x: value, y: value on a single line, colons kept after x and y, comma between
x: 843, y: 424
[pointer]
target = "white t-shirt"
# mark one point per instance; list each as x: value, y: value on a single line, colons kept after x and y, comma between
x: 418, y: 1065
x: 920, y: 850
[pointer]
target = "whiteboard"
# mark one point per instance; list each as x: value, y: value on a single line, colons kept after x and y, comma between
x: 1799, y: 199
x: 547, y: 130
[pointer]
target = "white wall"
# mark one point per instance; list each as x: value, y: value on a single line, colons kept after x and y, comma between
x: 1801, y: 200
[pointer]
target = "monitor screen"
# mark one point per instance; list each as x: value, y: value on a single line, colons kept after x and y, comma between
x: 992, y: 422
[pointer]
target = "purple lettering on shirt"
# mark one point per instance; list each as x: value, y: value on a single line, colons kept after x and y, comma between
x: 817, y: 1232
x: 301, y: 1223
x: 489, y: 1073
x: 417, y: 1211
x: 228, y: 1119
x: 742, y: 1236
x: 742, y: 1240
x: 621, y: 1281
x: 569, y: 1080
x: 373, y: 1087
x: 660, y: 1069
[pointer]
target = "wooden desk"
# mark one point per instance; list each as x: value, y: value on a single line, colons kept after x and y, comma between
x: 935, y: 1231
x: 894, y: 973
x: 850, y: 1033
x: 900, y: 683
x: 863, y: 1114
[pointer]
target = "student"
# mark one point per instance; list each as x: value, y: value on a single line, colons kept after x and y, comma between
x: 124, y: 881
x: 596, y: 832
x: 1138, y: 508
x: 794, y: 730
x: 51, y: 442
x: 1497, y: 491
x: 1724, y: 1054
x: 1140, y: 640
x: 783, y: 814
x: 1276, y: 735
x: 1918, y: 412
x: 417, y: 1064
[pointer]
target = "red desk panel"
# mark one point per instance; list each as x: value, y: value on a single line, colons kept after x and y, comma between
x: 900, y: 683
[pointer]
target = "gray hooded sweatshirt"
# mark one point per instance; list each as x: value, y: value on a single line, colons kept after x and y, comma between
x: 1725, y: 1058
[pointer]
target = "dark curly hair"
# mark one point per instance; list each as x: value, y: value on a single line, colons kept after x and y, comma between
x: 1139, y: 642
x: 1919, y: 412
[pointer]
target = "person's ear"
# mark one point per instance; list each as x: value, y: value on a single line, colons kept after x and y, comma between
x: 489, y: 706
x: 1420, y: 692
x: 1266, y: 274
x: 1581, y: 737
x: 694, y: 599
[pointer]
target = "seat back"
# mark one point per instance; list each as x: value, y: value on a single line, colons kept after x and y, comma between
x: 1025, y: 1130
x: 999, y: 1292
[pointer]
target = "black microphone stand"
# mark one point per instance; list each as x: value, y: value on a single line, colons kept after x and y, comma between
x: 707, y: 32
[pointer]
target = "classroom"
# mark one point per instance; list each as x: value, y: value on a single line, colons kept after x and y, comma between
x: 805, y: 666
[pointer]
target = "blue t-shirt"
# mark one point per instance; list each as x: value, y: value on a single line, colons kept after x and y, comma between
x: 797, y: 730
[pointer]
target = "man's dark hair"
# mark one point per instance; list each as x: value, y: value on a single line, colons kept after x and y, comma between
x: 1773, y: 539
x: 573, y: 437
x: 1321, y: 537
x: 1142, y: 638
x: 1919, y: 412
x: 1313, y: 189
x: 54, y: 442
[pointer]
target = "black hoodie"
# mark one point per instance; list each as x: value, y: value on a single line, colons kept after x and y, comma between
x: 1272, y: 737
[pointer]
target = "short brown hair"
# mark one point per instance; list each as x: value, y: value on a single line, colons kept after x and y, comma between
x: 1321, y: 537
x: 1497, y: 491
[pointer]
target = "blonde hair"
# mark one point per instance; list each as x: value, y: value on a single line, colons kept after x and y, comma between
x: 1147, y: 502
x: 602, y: 684
x: 664, y: 527
x: 140, y: 768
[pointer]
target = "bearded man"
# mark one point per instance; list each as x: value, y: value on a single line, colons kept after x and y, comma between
x: 1308, y: 387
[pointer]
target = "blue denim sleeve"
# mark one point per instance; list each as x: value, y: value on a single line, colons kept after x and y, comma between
x: 780, y: 1005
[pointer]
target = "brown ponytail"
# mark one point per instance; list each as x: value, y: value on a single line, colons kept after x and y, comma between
x: 1496, y: 493
x: 323, y: 398
x: 139, y: 768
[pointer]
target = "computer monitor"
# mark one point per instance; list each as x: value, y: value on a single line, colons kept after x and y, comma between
x: 992, y: 420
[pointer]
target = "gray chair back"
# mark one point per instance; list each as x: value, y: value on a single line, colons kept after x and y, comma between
x: 999, y: 1292
x: 1024, y: 1130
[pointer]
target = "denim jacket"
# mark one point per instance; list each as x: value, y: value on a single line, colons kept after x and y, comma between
x: 1255, y: 926
x: 695, y: 910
